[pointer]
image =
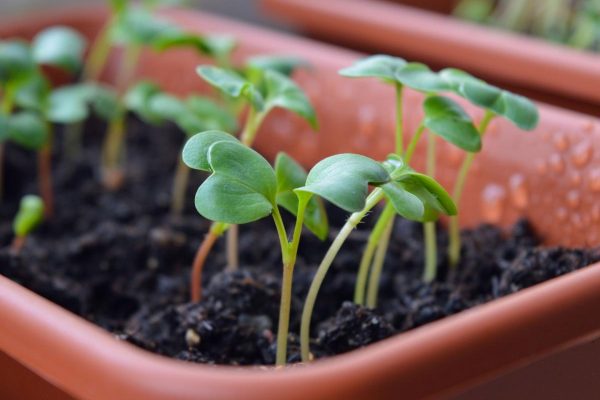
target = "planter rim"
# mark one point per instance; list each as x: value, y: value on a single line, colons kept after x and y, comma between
x: 105, y: 366
x: 546, y: 65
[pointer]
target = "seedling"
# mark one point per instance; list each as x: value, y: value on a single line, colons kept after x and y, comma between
x: 23, y: 85
x: 192, y: 115
x: 29, y: 216
x: 133, y: 28
x: 443, y: 117
x: 495, y: 102
x: 274, y: 90
x: 243, y: 188
x: 343, y: 180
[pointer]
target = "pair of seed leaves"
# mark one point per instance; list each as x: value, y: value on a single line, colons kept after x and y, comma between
x: 29, y: 216
x: 264, y: 84
x: 197, y: 113
x: 135, y: 25
x: 243, y: 187
x: 21, y: 78
x: 444, y: 116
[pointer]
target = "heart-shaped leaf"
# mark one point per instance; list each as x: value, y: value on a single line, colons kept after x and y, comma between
x: 378, y: 66
x: 242, y: 187
x: 68, y: 104
x: 195, y: 150
x: 59, y: 46
x: 444, y: 117
x: 33, y: 93
x: 28, y: 130
x: 419, y: 77
x: 29, y: 216
x: 231, y: 84
x: 283, y: 92
x: 405, y: 203
x: 217, y: 46
x: 204, y: 114
x: 138, y: 26
x: 279, y: 63
x: 343, y: 179
x: 517, y: 109
x: 16, y: 61
x: 431, y: 193
x: 290, y: 175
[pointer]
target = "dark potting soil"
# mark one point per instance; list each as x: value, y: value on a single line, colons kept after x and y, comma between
x: 120, y: 260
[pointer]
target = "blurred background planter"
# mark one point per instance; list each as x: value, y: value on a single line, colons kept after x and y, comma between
x: 548, y: 72
x: 502, y: 348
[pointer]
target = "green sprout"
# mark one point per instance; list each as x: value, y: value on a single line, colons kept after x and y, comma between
x: 134, y: 27
x: 192, y: 115
x: 272, y: 90
x: 442, y: 117
x: 24, y: 113
x: 29, y: 216
x: 243, y: 188
x: 495, y: 102
x: 343, y: 180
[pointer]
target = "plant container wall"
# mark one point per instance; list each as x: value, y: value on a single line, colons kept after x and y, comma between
x: 549, y: 328
x: 547, y: 72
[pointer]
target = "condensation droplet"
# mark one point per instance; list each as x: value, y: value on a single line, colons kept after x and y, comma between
x: 581, y: 154
x: 596, y: 212
x: 561, y: 142
x: 518, y: 191
x: 556, y: 163
x: 541, y: 166
x: 366, y: 120
x: 573, y: 198
x: 562, y: 213
x: 575, y: 179
x: 595, y: 180
x: 493, y: 198
x: 576, y: 220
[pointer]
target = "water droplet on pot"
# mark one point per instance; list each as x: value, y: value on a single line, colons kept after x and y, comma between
x: 573, y: 198
x: 518, y: 191
x: 366, y: 120
x: 556, y: 163
x: 562, y: 213
x: 582, y: 154
x: 575, y: 179
x: 561, y: 142
x: 576, y: 220
x: 595, y: 180
x: 493, y: 198
x: 541, y: 166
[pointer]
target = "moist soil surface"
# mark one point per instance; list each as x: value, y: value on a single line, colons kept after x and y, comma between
x: 122, y: 261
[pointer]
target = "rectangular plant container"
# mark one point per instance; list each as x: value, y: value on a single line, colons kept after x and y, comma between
x: 548, y: 72
x: 502, y: 347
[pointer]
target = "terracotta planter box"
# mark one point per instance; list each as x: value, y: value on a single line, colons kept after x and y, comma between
x: 540, y: 338
x: 548, y: 72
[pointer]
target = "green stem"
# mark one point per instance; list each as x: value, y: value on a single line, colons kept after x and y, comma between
x: 113, y: 153
x: 413, y: 143
x: 253, y: 122
x: 288, y: 255
x: 232, y: 248
x: 6, y: 107
x: 377, y: 267
x: 385, y: 218
x: 180, y: 183
x: 375, y: 197
x: 430, y: 270
x: 128, y: 66
x: 399, y: 120
x: 454, y: 228
x: 98, y: 53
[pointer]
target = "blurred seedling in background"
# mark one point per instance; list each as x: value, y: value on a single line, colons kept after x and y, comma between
x: 272, y: 90
x: 132, y: 28
x: 29, y: 216
x: 26, y: 113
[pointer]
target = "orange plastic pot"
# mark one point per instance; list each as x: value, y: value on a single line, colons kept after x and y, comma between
x: 548, y: 72
x: 550, y: 175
